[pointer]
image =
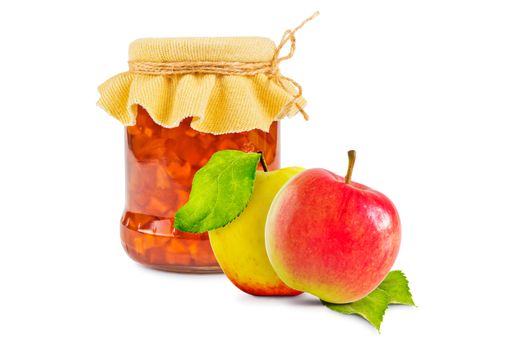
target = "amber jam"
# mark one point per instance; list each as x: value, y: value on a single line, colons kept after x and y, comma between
x: 160, y: 165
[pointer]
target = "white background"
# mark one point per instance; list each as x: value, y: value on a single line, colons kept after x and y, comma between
x: 430, y: 94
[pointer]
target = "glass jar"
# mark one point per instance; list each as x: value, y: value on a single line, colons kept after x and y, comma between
x: 182, y: 100
x: 160, y: 165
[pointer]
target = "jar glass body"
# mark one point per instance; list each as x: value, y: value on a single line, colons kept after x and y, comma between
x: 160, y: 165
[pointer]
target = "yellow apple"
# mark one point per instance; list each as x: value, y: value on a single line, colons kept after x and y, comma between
x: 239, y: 247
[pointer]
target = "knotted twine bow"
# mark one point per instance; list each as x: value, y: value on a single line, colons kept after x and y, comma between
x: 269, y: 68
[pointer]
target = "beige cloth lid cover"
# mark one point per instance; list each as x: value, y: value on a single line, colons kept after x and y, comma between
x: 218, y: 103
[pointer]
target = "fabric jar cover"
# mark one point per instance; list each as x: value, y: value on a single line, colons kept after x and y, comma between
x: 218, y: 102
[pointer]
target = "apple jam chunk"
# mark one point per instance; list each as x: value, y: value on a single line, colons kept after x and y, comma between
x: 160, y: 165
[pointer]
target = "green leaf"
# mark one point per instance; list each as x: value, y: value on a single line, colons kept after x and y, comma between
x: 393, y: 290
x: 372, y: 307
x: 220, y: 192
x: 396, y: 286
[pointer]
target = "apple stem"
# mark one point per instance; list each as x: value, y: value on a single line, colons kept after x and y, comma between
x: 351, y: 156
x: 263, y: 161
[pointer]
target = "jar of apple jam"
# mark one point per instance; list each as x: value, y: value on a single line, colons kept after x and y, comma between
x: 181, y: 101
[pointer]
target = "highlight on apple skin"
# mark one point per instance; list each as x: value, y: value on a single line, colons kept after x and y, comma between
x: 239, y: 247
x: 332, y: 239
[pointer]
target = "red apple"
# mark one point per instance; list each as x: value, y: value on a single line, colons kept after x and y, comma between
x: 330, y: 236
